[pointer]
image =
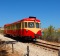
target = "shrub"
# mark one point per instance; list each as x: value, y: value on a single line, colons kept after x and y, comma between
x: 50, y: 34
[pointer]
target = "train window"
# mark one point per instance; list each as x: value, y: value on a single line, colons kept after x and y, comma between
x: 25, y: 24
x: 18, y: 25
x: 8, y: 28
x: 37, y: 25
x: 5, y: 28
x: 22, y: 24
x: 31, y: 24
x: 12, y: 27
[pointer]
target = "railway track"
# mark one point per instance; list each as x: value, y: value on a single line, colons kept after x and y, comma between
x: 47, y: 45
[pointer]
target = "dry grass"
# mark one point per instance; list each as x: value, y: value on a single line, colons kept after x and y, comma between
x: 7, y: 51
x: 1, y: 31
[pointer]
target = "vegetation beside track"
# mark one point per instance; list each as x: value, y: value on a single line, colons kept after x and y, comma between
x: 51, y: 34
x: 5, y: 50
x: 1, y: 30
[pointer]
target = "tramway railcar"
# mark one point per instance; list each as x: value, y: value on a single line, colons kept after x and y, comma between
x: 27, y: 28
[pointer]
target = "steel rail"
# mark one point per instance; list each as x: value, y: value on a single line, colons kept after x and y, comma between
x: 51, y: 46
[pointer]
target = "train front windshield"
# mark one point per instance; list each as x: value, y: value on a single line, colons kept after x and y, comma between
x: 33, y: 25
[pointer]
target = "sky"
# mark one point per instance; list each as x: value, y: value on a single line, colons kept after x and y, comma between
x: 47, y: 11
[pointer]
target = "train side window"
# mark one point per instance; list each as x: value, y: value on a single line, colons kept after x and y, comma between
x: 8, y: 27
x: 25, y: 24
x: 40, y: 25
x: 22, y: 24
x: 5, y: 28
x: 18, y: 25
x: 13, y: 27
x: 37, y: 25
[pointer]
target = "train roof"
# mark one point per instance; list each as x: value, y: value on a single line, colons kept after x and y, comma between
x: 7, y: 24
x: 25, y: 19
x: 30, y: 19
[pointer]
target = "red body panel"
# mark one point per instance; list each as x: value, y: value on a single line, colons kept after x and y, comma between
x: 23, y: 32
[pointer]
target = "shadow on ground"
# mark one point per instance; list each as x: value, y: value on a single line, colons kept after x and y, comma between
x: 21, y: 39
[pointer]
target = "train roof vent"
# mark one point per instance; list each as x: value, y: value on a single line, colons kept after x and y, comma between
x: 32, y: 17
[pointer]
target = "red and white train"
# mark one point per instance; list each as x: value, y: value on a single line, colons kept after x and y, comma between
x: 27, y: 28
